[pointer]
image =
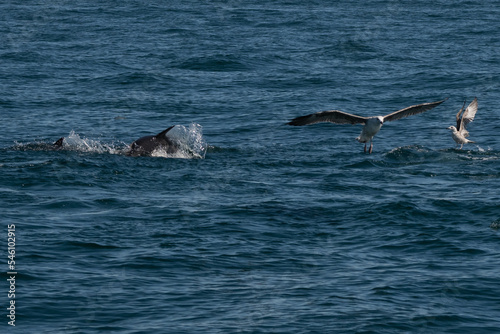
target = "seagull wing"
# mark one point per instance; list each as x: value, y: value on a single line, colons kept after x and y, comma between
x: 412, y: 110
x: 458, y: 118
x: 332, y: 116
x: 468, y: 115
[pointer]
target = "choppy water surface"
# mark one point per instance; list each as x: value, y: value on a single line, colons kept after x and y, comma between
x: 254, y: 226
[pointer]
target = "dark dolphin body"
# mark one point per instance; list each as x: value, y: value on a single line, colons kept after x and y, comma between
x: 146, y: 145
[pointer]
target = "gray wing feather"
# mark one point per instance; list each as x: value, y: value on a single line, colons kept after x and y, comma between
x: 412, y: 110
x: 458, y: 116
x: 469, y: 114
x: 332, y: 116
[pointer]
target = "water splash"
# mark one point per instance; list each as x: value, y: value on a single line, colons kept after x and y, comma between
x: 75, y: 142
x: 496, y: 224
x: 190, y: 140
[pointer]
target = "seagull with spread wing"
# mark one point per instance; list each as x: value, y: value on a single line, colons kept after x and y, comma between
x: 459, y: 133
x: 372, y: 124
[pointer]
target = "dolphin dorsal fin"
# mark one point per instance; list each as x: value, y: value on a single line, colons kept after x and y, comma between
x: 164, y: 132
x: 59, y: 142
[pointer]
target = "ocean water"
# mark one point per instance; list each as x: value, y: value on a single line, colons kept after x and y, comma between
x: 254, y: 226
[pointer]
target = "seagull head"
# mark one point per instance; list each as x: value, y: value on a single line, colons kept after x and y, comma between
x: 452, y: 128
x: 380, y: 119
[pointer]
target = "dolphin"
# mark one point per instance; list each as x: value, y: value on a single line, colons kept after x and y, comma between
x: 146, y: 145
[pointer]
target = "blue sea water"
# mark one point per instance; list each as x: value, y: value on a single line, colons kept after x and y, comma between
x: 257, y: 226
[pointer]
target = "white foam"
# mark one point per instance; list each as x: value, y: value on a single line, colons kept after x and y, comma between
x: 190, y: 140
x: 75, y: 142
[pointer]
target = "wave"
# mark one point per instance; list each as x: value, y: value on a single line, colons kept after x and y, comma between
x: 215, y: 63
x: 418, y: 153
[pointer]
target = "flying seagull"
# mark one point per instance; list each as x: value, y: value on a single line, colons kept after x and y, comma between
x: 371, y: 124
x: 459, y: 133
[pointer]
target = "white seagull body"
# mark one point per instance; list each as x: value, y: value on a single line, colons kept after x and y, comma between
x: 459, y: 133
x: 372, y: 124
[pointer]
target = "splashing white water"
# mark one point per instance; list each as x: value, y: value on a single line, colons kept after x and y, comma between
x: 190, y: 140
x: 74, y: 142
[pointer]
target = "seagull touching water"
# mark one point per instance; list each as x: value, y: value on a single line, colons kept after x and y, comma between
x: 372, y: 124
x: 459, y: 133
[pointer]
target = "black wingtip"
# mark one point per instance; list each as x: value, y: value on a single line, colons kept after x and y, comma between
x: 439, y: 102
x: 298, y: 121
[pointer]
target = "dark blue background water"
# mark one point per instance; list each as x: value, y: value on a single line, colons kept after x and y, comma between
x: 277, y: 229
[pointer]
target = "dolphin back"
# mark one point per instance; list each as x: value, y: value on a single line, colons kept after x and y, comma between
x: 145, y: 146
